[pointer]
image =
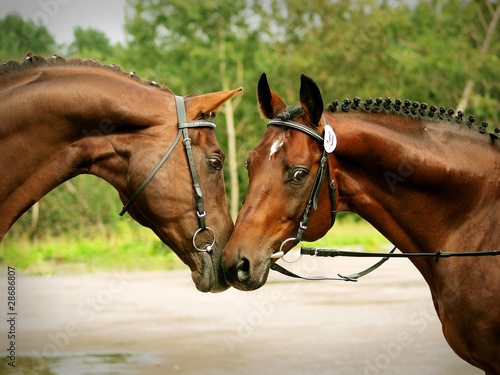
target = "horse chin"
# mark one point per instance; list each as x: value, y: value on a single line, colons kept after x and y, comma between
x: 256, y: 283
x: 209, y: 276
x: 258, y: 279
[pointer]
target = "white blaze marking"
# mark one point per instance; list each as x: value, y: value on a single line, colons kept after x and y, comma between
x: 277, y: 144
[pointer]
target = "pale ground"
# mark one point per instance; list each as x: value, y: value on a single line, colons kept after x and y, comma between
x: 158, y: 323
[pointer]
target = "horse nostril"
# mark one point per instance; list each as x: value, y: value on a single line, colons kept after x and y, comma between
x: 243, y: 270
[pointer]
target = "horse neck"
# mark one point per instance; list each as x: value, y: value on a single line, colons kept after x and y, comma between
x: 419, y: 183
x: 77, y: 121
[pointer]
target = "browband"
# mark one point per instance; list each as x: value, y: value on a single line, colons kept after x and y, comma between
x: 295, y: 125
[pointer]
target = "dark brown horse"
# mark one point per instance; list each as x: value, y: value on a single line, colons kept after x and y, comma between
x: 426, y: 184
x: 60, y: 118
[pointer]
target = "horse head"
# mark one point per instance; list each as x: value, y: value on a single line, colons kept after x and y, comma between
x: 282, y: 171
x: 86, y: 118
x: 184, y: 202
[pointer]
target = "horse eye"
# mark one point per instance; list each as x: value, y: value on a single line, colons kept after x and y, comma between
x: 299, y: 175
x: 215, y: 163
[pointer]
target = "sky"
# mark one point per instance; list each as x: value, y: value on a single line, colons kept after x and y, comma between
x: 62, y: 16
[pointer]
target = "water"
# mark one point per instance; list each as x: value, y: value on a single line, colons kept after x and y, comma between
x: 129, y: 363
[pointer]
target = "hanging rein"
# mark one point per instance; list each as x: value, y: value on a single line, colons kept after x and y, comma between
x: 329, y: 142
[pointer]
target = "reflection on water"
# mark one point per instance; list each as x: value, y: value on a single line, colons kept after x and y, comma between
x: 80, y: 364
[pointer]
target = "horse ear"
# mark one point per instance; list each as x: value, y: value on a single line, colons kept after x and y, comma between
x: 311, y: 100
x: 270, y: 104
x: 207, y: 103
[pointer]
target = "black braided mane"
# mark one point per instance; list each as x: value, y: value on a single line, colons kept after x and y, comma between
x: 413, y: 109
x: 31, y: 61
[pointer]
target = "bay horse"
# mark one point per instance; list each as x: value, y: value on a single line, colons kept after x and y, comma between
x: 60, y: 118
x: 427, y: 184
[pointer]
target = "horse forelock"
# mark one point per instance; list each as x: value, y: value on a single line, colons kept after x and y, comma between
x: 31, y: 61
x: 293, y: 113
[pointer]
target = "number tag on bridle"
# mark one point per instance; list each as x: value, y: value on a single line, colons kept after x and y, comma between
x: 330, y: 139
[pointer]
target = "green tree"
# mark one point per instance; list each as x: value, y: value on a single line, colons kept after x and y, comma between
x: 91, y: 43
x: 483, y: 31
x: 424, y: 51
x: 19, y: 37
x: 200, y: 46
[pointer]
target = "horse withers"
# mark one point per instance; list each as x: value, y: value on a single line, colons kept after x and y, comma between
x: 60, y: 118
x: 425, y: 182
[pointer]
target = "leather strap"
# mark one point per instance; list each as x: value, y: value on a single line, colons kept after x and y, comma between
x: 323, y: 252
x: 357, y: 275
x: 184, y: 126
x: 333, y: 197
x: 152, y: 174
x: 295, y: 125
x: 312, y: 202
x: 284, y: 271
x: 196, y: 124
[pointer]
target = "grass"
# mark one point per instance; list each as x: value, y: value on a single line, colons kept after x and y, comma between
x: 133, y: 248
x: 129, y: 247
x: 348, y: 232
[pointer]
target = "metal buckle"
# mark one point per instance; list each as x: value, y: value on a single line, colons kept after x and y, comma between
x: 185, y: 140
x: 201, y: 215
x: 209, y: 248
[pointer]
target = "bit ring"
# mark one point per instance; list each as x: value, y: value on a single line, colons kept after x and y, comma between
x: 209, y: 248
x: 281, y: 253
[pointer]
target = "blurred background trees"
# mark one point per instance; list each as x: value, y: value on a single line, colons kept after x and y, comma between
x: 428, y: 51
x: 18, y: 35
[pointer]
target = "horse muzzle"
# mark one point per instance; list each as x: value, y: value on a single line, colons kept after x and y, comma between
x: 244, y: 274
x: 208, y: 276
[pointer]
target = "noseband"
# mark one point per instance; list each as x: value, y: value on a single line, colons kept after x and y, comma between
x: 183, y: 125
x: 312, y: 202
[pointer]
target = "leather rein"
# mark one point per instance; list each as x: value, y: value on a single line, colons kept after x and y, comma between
x: 312, y: 202
x: 183, y: 126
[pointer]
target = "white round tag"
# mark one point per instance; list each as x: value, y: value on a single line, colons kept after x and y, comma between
x: 330, y: 141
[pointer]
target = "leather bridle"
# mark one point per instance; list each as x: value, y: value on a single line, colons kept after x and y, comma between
x: 183, y: 125
x: 312, y: 202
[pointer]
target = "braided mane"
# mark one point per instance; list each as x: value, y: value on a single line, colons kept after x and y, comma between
x: 416, y: 110
x: 31, y: 61
x: 413, y: 109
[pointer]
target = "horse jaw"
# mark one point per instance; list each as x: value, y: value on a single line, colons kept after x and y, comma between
x: 207, y: 277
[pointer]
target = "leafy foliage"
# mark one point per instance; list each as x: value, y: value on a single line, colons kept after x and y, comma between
x: 91, y: 43
x: 18, y: 37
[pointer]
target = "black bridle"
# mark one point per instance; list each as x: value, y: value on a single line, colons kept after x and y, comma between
x: 183, y: 125
x: 312, y: 202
